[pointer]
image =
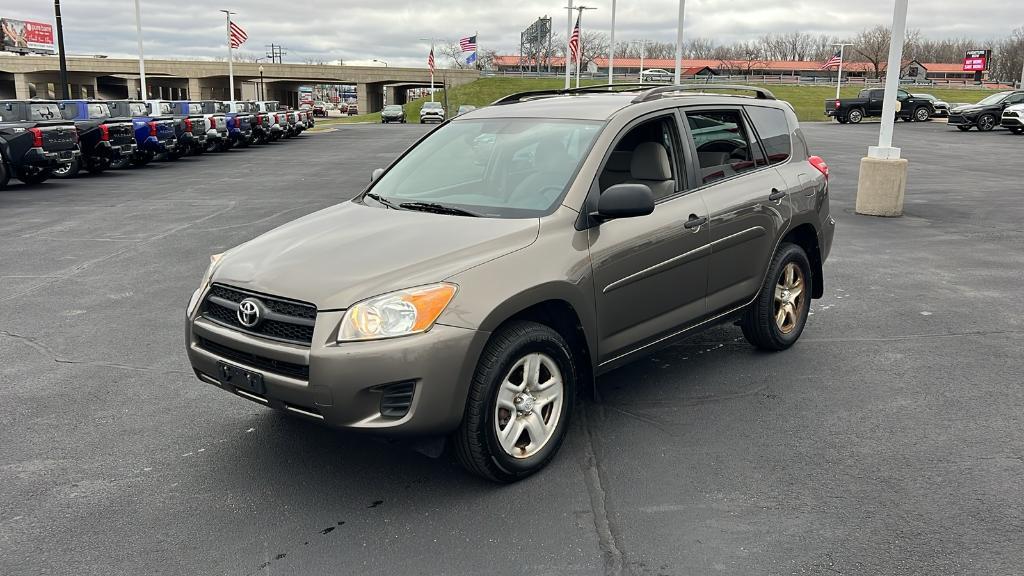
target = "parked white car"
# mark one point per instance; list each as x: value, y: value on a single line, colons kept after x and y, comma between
x: 656, y: 75
x: 432, y: 112
x: 1013, y: 118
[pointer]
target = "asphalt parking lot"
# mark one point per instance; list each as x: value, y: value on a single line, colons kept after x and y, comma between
x: 889, y: 440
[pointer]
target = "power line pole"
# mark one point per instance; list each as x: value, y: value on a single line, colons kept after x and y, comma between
x: 275, y: 52
x: 64, y: 93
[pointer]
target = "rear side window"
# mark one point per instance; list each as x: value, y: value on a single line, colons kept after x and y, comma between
x: 723, y: 144
x: 44, y: 112
x: 99, y: 111
x: 773, y: 128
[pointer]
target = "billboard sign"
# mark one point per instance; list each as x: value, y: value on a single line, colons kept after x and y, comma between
x: 26, y: 36
x: 976, y: 60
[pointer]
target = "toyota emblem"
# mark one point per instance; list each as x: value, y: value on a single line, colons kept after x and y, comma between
x: 250, y: 312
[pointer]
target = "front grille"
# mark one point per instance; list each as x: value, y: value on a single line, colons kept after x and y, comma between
x: 1011, y: 114
x: 297, y: 371
x: 396, y: 399
x: 287, y: 320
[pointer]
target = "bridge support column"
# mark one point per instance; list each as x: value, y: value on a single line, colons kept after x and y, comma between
x: 195, y: 92
x: 21, y: 88
x: 370, y: 98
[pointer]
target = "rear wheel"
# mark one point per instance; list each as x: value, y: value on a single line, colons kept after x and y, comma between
x: 98, y: 165
x: 986, y: 122
x: 519, y: 403
x: 963, y: 128
x: 776, y: 318
x: 855, y: 115
x: 121, y: 161
x: 842, y: 119
x: 5, y: 174
x: 33, y: 175
x: 69, y: 170
x: 142, y: 158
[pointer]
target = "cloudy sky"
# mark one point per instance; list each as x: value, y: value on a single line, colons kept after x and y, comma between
x: 359, y: 31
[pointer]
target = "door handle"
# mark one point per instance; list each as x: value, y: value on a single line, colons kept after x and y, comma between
x: 695, y: 222
x: 776, y: 195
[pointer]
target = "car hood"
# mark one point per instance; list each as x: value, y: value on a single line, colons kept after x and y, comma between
x: 346, y: 253
x: 1015, y: 108
x: 968, y: 108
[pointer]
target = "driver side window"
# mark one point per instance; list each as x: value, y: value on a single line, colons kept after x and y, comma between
x: 723, y: 144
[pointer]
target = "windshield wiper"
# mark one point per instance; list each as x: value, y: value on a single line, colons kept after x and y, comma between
x: 381, y: 200
x: 437, y: 208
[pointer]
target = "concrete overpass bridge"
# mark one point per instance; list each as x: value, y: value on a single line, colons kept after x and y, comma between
x: 91, y: 77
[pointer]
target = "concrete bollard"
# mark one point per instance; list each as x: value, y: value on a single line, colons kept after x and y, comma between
x: 881, y: 186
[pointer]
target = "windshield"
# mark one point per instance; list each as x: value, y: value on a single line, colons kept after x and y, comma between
x: 431, y: 104
x: 392, y: 108
x: 222, y: 108
x: 99, y: 111
x: 137, y: 109
x: 994, y: 99
x: 44, y: 112
x: 195, y: 108
x: 502, y: 167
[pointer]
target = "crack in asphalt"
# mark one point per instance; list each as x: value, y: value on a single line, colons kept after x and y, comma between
x: 608, y: 540
x: 69, y: 272
x: 50, y: 354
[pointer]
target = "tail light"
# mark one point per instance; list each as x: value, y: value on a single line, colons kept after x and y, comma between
x: 837, y: 104
x: 213, y: 122
x: 37, y: 137
x: 820, y: 164
x: 277, y: 119
x: 152, y: 128
x: 188, y: 124
x: 104, y: 132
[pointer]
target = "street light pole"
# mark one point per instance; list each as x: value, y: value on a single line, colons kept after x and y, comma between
x: 263, y: 89
x: 679, y: 43
x: 64, y: 92
x: 142, y: 61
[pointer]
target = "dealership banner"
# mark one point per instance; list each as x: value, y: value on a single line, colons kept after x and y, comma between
x: 976, y: 60
x: 27, y: 36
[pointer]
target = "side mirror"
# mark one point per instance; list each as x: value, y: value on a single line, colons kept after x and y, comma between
x: 376, y: 174
x: 624, y: 201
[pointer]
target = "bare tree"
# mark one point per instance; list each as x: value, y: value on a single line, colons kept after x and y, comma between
x: 1008, y: 57
x: 872, y: 45
x: 594, y: 44
x: 453, y: 52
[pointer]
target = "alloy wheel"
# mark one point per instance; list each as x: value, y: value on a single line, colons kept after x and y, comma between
x: 789, y: 298
x: 529, y: 405
x: 986, y: 123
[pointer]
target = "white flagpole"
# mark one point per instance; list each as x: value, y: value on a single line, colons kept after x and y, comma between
x: 568, y: 47
x: 579, y: 46
x: 432, y: 56
x: 611, y: 51
x: 142, y: 60
x: 231, y: 69
x: 839, y: 77
x: 679, y: 44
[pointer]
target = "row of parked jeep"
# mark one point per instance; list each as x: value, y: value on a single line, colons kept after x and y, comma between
x: 40, y: 139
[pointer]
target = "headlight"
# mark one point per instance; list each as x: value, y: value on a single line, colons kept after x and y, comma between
x: 396, y: 314
x: 194, y: 301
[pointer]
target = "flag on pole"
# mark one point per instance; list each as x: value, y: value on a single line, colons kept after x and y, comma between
x: 237, y: 36
x: 835, y: 60
x: 468, y: 44
x: 574, y: 41
x: 430, y: 61
x: 471, y: 58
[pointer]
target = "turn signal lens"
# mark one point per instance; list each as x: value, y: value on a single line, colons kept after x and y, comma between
x: 396, y: 314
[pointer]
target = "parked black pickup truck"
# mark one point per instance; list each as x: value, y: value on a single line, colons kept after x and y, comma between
x: 101, y: 138
x: 34, y: 139
x: 868, y: 104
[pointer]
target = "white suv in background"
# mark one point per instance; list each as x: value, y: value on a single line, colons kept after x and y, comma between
x: 1013, y: 118
x: 432, y: 112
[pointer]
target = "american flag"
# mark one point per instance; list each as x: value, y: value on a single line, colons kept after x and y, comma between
x: 574, y: 41
x: 835, y: 60
x: 430, y: 61
x: 468, y: 44
x: 236, y: 35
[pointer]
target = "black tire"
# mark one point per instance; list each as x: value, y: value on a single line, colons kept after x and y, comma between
x: 68, y: 170
x: 921, y: 114
x: 140, y: 159
x: 98, y: 166
x: 963, y: 128
x: 855, y: 115
x: 199, y: 149
x: 33, y: 176
x: 5, y: 174
x: 476, y: 444
x: 760, y: 325
x: 986, y: 122
x: 842, y: 119
x: 1017, y: 130
x: 122, y: 161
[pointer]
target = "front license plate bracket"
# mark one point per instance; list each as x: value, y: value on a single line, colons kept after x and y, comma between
x: 241, y: 378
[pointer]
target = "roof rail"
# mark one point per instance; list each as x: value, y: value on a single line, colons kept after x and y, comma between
x: 760, y: 93
x: 520, y: 96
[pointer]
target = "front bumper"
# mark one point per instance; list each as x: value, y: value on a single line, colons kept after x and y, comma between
x: 347, y: 383
x: 1011, y: 121
x: 437, y: 117
x: 962, y: 120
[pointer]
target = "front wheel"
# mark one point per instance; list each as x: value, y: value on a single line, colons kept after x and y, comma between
x: 922, y: 114
x: 777, y: 317
x: 963, y: 128
x: 986, y: 122
x: 1017, y: 130
x: 519, y: 403
x: 68, y: 170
